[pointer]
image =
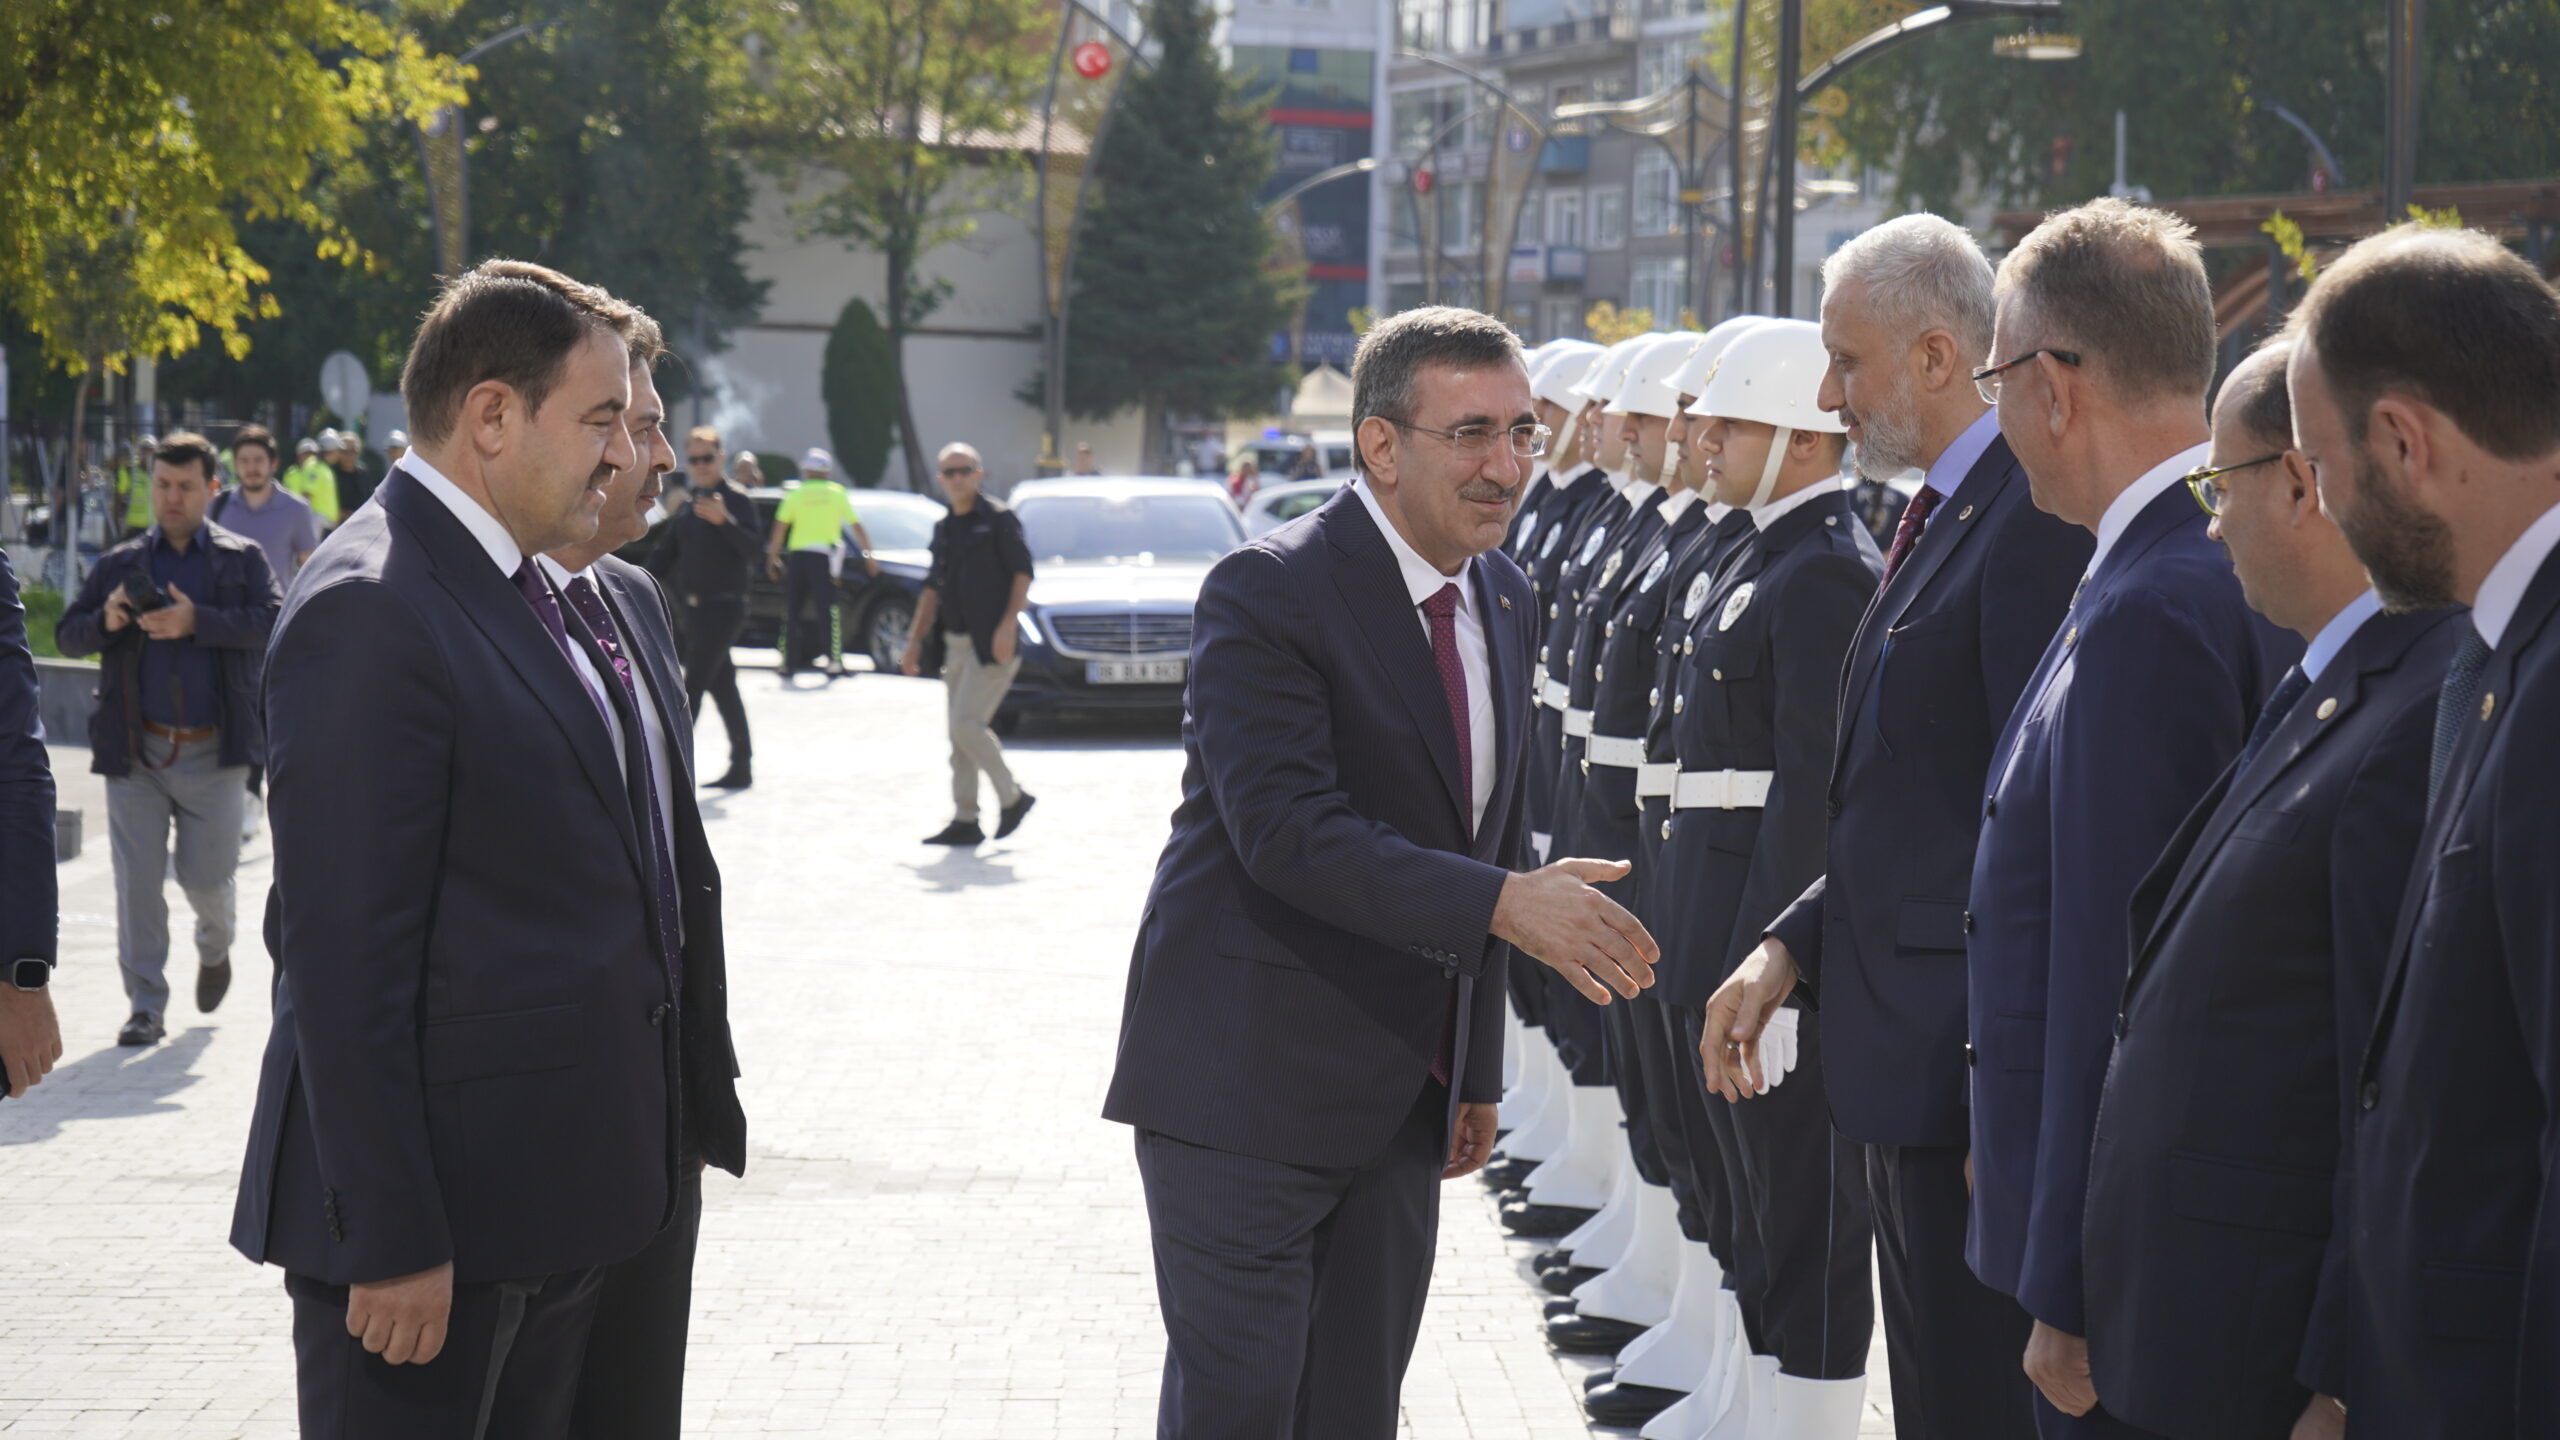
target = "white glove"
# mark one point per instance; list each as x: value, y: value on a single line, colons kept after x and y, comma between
x: 1778, y: 1048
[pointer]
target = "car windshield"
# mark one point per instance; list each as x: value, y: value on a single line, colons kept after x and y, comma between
x: 897, y: 522
x: 1132, y: 528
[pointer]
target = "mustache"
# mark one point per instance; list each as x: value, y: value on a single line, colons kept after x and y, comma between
x: 1486, y: 490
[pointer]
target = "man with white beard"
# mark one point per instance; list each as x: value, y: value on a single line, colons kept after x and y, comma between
x: 1976, y: 580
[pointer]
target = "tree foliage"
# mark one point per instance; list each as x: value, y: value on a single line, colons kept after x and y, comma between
x: 892, y: 122
x: 860, y: 388
x: 1175, y: 295
x: 135, y: 137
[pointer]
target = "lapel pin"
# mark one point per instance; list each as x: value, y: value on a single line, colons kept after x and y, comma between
x: 1506, y: 601
x: 2071, y: 637
x: 1965, y: 514
x: 2487, y: 703
x: 2327, y: 708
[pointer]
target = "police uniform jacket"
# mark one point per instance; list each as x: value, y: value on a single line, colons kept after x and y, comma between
x: 2264, y: 928
x: 1620, y: 562
x: 1756, y: 690
x: 1622, y: 666
x: 1685, y: 592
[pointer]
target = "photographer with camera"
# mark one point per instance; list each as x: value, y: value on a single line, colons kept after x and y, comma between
x: 179, y: 617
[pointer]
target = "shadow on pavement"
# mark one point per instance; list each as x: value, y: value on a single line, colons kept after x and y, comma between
x: 956, y: 869
x: 111, y: 1084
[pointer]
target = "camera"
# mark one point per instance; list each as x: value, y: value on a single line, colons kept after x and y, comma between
x: 144, y: 594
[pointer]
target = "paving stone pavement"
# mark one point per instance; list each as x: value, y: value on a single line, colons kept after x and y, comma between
x: 937, y: 1235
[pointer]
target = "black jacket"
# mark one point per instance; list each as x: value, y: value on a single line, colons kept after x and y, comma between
x: 696, y: 559
x: 233, y: 622
x: 28, y: 899
x: 2261, y: 935
x: 975, y: 558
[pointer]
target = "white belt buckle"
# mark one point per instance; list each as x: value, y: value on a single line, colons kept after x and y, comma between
x: 1655, y: 780
x: 1577, y: 722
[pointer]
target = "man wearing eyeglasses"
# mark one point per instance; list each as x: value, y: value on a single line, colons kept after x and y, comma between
x: 705, y: 557
x: 2103, y: 345
x: 1312, y: 1038
x: 2262, y: 935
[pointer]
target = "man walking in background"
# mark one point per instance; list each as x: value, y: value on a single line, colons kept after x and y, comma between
x: 965, y: 629
x: 705, y: 556
x: 813, y: 520
x: 261, y: 510
x: 179, y: 616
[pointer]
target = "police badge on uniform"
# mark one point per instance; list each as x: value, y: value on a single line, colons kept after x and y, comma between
x: 1735, y: 605
x: 1653, y: 572
x: 1697, y: 598
x: 1609, y: 571
x: 1591, y: 547
x: 1550, y: 547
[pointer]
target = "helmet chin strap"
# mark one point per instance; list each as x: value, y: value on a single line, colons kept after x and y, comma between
x: 1778, y: 444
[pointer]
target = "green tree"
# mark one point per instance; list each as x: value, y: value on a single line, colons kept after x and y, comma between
x: 859, y: 385
x: 1175, y: 295
x: 894, y: 123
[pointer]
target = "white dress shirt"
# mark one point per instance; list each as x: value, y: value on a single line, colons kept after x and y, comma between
x: 1768, y: 515
x: 1422, y: 580
x: 2333, y: 637
x: 2154, y: 483
x: 653, y: 733
x: 2502, y: 590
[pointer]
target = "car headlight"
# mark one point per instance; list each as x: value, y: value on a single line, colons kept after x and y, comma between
x: 1030, y: 629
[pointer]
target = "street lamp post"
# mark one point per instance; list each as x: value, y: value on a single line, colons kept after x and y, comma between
x: 445, y: 159
x: 1782, y: 248
x: 1679, y: 118
x: 1506, y: 183
x: 2406, y: 20
x: 1285, y: 204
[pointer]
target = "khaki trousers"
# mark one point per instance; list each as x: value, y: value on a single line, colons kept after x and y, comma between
x: 974, y: 690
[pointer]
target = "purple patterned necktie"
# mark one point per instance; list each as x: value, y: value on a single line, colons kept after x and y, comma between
x: 546, y: 606
x: 599, y: 625
x: 1915, y: 519
x: 1442, y: 610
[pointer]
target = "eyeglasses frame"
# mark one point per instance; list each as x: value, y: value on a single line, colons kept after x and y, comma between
x: 1986, y: 381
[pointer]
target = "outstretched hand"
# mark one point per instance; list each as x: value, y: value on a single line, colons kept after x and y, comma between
x: 1738, y: 1014
x: 1553, y: 916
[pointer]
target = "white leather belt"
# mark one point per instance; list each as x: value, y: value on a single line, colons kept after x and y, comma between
x: 1653, y: 780
x: 1614, y: 751
x: 1555, y: 695
x: 1721, y: 789
x: 1577, y: 722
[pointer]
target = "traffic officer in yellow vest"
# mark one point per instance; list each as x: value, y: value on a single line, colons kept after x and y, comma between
x: 1754, y: 699
x: 133, y: 482
x: 314, y: 479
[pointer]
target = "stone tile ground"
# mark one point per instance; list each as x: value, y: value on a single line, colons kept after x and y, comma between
x: 937, y: 1236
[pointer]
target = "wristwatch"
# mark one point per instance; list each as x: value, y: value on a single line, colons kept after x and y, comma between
x: 30, y: 974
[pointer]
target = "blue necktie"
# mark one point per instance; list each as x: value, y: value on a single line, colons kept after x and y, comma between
x: 642, y: 779
x: 2288, y: 693
x: 2453, y: 703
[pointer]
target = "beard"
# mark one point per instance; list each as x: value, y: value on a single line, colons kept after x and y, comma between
x: 2407, y: 552
x: 1892, y: 437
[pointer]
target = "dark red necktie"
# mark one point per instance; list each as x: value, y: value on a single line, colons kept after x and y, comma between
x: 1442, y: 610
x: 1915, y: 518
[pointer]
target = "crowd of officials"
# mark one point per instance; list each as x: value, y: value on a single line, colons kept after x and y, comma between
x: 2122, y: 906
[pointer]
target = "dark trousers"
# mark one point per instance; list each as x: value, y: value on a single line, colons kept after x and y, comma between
x: 1706, y: 1120
x: 2052, y: 1424
x: 1680, y: 1130
x: 1807, y: 1200
x: 1954, y: 1343
x: 711, y: 626
x: 1622, y: 1020
x: 633, y: 1384
x: 1292, y: 1293
x: 508, y: 1370
x: 807, y: 588
x: 1576, y: 1027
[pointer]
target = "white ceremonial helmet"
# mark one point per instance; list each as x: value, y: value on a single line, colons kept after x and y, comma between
x: 1556, y: 376
x: 1647, y: 389
x: 1602, y: 383
x: 1700, y: 367
x: 1772, y: 373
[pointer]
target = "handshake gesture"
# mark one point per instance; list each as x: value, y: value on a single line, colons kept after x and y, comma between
x: 1553, y: 916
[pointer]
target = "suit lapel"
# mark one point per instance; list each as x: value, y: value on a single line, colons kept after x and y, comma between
x: 649, y: 646
x: 1364, y: 570
x: 1506, y: 652
x: 491, y: 601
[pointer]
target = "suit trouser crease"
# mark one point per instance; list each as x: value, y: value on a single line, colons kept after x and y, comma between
x: 203, y: 799
x: 1292, y: 1295
x: 711, y: 627
x: 509, y: 1369
x: 632, y: 1386
x: 1952, y: 1343
x: 974, y: 690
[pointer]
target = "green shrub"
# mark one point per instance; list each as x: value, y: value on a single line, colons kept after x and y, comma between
x: 44, y: 611
x: 778, y: 468
x: 860, y: 388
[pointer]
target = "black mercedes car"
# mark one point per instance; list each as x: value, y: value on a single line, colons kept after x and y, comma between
x: 1119, y: 562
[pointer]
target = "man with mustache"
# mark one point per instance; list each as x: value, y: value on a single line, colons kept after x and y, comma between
x: 470, y: 1099
x: 2424, y: 380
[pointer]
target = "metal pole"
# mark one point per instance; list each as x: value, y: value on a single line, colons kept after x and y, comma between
x: 2407, y: 21
x: 1782, y: 134
x: 1738, y: 235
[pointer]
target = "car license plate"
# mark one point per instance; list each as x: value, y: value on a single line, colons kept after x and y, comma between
x: 1133, y: 672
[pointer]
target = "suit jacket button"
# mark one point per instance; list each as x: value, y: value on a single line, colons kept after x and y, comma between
x: 1597, y: 673
x: 1654, y: 696
x: 1968, y: 922
x: 1832, y: 806
x: 2372, y: 1095
x: 1991, y: 807
x: 658, y: 1016
x: 1679, y: 703
x: 2121, y: 1025
x: 1969, y: 1057
x: 1586, y: 767
x: 1666, y: 829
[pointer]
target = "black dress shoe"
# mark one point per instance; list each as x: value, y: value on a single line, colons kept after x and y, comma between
x: 1540, y: 1222
x: 1591, y: 1334
x: 1508, y: 1174
x: 1560, y: 1310
x: 212, y: 983
x: 1009, y: 819
x: 958, y: 832
x: 1598, y: 1378
x: 1558, y: 1258
x: 738, y: 776
x: 142, y: 1029
x: 1567, y: 1280
x: 1617, y: 1404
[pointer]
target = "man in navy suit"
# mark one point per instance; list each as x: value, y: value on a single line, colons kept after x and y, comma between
x: 2214, y: 1275
x: 1975, y: 582
x: 632, y: 1384
x: 30, y: 1035
x: 2423, y: 386
x: 470, y: 1101
x: 1312, y: 1036
x: 2102, y: 350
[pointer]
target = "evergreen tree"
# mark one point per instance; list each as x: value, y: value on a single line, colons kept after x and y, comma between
x: 1175, y: 299
x: 859, y: 382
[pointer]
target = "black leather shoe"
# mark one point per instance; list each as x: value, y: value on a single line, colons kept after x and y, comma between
x: 1540, y: 1222
x: 1508, y: 1174
x: 1009, y: 819
x: 739, y: 776
x: 1558, y: 1258
x: 1590, y: 1334
x: 1616, y: 1404
x: 1567, y: 1280
x: 142, y: 1029
x: 212, y: 983
x: 958, y: 832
